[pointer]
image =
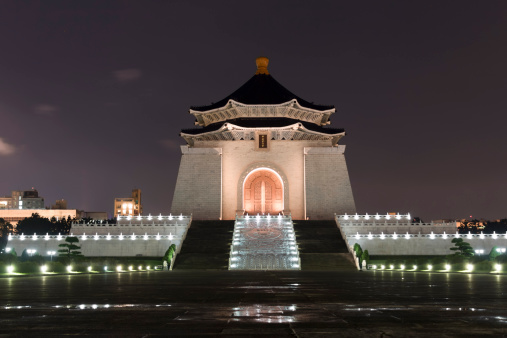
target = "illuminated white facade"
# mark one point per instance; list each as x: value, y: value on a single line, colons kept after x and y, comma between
x: 263, y: 150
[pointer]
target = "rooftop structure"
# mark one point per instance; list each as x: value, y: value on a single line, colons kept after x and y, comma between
x: 22, y: 199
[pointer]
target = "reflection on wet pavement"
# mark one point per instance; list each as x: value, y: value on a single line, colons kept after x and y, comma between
x: 235, y: 303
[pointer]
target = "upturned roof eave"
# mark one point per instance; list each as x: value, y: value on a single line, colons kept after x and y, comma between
x: 230, y: 102
x: 230, y: 126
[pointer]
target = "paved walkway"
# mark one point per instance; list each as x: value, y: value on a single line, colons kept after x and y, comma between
x: 288, y: 303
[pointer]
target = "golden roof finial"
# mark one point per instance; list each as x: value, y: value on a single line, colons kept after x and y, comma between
x: 262, y: 65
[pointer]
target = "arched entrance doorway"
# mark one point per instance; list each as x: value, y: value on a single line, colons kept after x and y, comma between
x: 263, y: 192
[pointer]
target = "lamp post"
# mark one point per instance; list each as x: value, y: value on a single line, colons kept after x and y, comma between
x: 51, y: 253
x: 31, y: 251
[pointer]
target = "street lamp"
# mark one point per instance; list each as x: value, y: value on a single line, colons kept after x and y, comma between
x: 51, y: 253
x: 31, y: 251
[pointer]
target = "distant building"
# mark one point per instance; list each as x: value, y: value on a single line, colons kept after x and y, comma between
x: 60, y: 204
x: 130, y: 206
x: 21, y: 200
x: 95, y: 215
x: 13, y: 216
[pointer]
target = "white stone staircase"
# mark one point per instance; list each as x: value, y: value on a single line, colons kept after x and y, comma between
x: 264, y: 243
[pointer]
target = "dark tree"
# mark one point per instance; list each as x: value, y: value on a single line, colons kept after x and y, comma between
x: 41, y: 225
x: 5, y: 229
x: 497, y: 227
x: 462, y: 248
x: 169, y: 254
x: 70, y: 248
x: 468, y: 226
x: 34, y: 225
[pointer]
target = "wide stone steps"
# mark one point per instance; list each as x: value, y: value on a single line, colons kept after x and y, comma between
x: 264, y: 243
x: 206, y: 246
x: 321, y: 246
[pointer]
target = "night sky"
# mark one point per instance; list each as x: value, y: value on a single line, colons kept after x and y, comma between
x: 93, y: 94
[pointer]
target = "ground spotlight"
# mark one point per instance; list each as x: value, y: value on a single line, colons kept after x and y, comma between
x: 402, y: 267
x: 470, y: 267
x: 391, y: 267
x: 131, y: 268
x: 43, y: 268
x: 414, y: 267
x: 69, y: 268
x: 89, y: 269
x: 105, y: 268
x: 447, y: 267
x: 118, y: 268
x: 430, y: 267
x: 10, y: 269
x: 498, y: 267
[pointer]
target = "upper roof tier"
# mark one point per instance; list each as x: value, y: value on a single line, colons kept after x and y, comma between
x: 262, y: 90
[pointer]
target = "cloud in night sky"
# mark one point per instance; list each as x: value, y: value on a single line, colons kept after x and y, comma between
x: 127, y: 75
x: 6, y: 148
x: 45, y: 109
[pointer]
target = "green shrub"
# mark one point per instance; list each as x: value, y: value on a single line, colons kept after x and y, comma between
x: 56, y: 267
x: 501, y: 259
x: 27, y: 267
x: 37, y: 258
x: 8, y: 258
x: 437, y: 261
x: 484, y: 266
x: 64, y: 260
x: 79, y: 267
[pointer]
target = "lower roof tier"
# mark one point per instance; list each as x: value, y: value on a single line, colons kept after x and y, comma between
x: 262, y: 123
x: 246, y: 129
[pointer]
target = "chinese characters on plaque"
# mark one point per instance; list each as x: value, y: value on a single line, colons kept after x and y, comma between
x: 263, y: 141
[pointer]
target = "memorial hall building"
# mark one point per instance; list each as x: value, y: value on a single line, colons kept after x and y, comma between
x: 263, y: 150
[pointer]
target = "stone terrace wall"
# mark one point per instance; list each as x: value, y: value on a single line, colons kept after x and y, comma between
x: 131, y: 237
x: 398, y: 236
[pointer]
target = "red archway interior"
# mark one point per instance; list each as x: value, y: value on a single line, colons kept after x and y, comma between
x: 263, y: 193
